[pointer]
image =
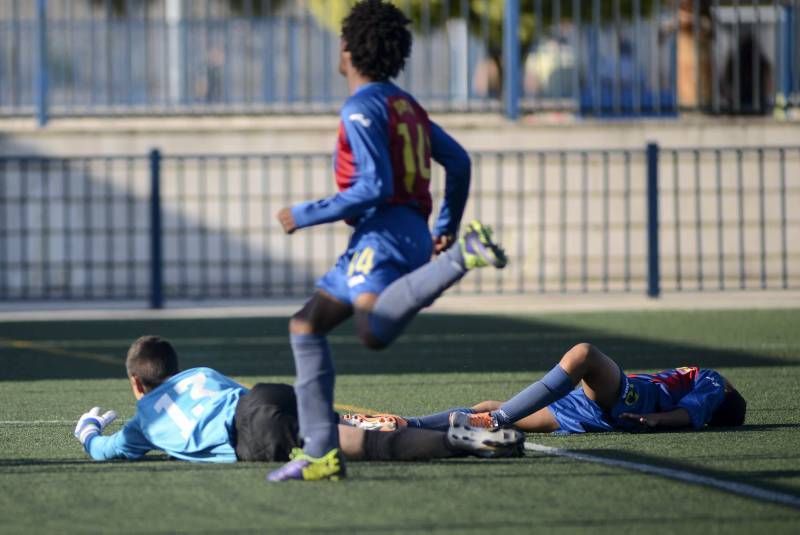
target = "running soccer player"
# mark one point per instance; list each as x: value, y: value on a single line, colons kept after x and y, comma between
x: 607, y: 400
x: 201, y: 415
x: 383, y: 169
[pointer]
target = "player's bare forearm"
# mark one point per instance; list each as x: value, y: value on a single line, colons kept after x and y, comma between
x: 286, y: 219
x: 674, y: 418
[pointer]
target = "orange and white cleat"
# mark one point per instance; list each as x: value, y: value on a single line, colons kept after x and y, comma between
x: 478, y: 419
x: 375, y: 422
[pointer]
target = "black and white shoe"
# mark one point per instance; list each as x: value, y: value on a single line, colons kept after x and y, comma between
x: 483, y: 441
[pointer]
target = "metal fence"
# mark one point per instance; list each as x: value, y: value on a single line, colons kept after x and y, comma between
x: 602, y: 58
x: 165, y: 227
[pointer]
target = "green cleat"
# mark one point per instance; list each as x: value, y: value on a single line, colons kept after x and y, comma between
x: 303, y: 467
x: 478, y: 249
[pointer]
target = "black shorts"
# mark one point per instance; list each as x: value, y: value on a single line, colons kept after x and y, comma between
x: 266, y: 423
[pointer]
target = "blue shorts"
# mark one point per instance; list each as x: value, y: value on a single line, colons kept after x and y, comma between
x: 381, y: 250
x: 576, y: 413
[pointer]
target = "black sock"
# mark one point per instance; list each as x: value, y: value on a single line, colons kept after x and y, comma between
x: 407, y: 444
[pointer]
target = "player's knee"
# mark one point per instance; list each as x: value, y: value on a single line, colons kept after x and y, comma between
x: 487, y: 406
x: 580, y: 353
x: 299, y: 324
x: 370, y: 341
x: 365, y: 334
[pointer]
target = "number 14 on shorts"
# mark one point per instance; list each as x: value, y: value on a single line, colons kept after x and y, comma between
x: 362, y: 262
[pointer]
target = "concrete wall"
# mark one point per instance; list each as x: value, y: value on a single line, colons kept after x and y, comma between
x: 204, y: 135
x: 572, y: 224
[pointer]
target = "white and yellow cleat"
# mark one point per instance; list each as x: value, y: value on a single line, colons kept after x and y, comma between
x: 479, y: 249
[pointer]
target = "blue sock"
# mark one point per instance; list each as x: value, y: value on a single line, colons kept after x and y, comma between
x: 439, y: 421
x: 406, y: 296
x: 314, y: 390
x: 553, y: 386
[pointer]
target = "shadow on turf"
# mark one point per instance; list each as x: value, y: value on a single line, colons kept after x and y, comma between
x: 152, y: 463
x: 765, y: 427
x: 435, y: 343
x: 757, y: 478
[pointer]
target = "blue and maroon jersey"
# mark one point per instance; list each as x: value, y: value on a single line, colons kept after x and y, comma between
x: 698, y: 391
x: 383, y: 158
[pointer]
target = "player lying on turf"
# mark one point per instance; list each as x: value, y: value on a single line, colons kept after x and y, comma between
x: 201, y: 415
x: 607, y: 400
x: 382, y: 164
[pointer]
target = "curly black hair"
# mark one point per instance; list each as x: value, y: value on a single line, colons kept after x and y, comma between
x: 377, y: 38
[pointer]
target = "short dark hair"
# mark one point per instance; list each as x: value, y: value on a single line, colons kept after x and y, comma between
x: 377, y: 38
x: 731, y: 411
x: 153, y: 360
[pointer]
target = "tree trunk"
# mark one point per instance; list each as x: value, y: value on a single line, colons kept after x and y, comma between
x: 694, y: 57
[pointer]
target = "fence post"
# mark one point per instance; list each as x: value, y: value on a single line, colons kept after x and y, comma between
x: 653, y: 270
x: 156, y: 264
x: 512, y: 80
x: 41, y: 80
x: 788, y: 55
x: 175, y: 27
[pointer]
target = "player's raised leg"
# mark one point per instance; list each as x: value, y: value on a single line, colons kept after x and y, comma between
x: 381, y: 318
x: 314, y: 388
x: 584, y: 362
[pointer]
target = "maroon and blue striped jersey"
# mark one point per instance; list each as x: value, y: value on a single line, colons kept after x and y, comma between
x: 698, y: 391
x: 384, y: 148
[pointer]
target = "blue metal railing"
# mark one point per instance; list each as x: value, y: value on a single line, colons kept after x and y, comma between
x: 163, y: 227
x: 156, y: 247
x: 735, y: 230
x: 653, y: 260
x: 621, y: 58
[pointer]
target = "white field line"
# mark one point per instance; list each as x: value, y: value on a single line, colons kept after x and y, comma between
x: 344, y: 407
x: 37, y: 422
x: 742, y: 489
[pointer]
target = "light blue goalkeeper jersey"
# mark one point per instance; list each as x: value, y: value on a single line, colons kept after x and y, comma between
x: 189, y: 417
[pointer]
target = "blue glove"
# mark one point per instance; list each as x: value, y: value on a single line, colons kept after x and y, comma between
x: 92, y: 423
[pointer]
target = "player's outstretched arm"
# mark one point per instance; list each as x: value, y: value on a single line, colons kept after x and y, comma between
x: 92, y: 423
x: 367, y: 192
x: 451, y: 155
x: 675, y: 418
x: 127, y: 443
x: 365, y: 175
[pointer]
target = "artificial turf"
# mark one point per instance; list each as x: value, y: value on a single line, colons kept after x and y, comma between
x: 51, y: 372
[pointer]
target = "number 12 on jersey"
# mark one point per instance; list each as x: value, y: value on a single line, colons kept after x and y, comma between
x: 185, y: 423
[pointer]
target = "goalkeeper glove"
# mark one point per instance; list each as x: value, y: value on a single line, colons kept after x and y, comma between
x: 92, y: 423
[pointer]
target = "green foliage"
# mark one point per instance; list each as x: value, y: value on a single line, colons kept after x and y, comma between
x: 486, y: 16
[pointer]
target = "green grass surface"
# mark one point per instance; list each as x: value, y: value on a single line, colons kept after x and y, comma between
x: 51, y: 372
